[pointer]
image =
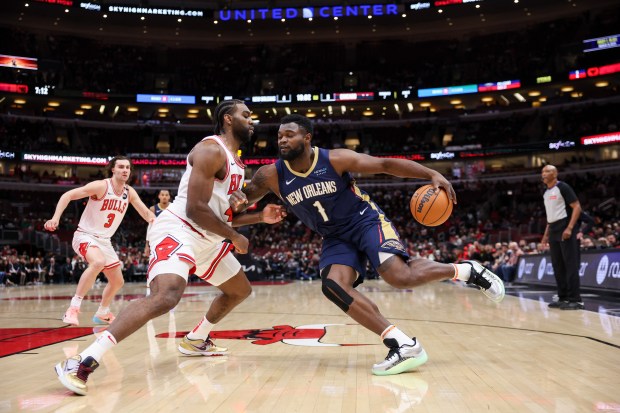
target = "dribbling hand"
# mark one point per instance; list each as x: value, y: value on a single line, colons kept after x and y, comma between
x: 439, y: 181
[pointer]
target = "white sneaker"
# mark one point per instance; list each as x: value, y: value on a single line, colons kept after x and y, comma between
x: 400, y: 358
x: 490, y: 284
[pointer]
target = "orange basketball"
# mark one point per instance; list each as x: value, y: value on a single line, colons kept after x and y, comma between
x: 430, y: 207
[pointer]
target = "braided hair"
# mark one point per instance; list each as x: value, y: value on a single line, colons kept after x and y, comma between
x: 224, y: 108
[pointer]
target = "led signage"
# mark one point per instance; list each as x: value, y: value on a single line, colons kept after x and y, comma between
x: 174, y: 99
x: 18, y: 62
x: 354, y: 10
x: 155, y: 10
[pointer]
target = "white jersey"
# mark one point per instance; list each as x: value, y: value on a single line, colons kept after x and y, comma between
x: 221, y: 192
x: 101, y: 217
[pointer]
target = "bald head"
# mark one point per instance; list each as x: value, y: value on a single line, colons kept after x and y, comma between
x: 549, y: 175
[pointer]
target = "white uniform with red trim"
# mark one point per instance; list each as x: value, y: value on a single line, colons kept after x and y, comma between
x: 180, y: 246
x: 99, y: 221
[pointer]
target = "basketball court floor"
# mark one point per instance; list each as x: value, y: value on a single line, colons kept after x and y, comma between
x: 291, y: 350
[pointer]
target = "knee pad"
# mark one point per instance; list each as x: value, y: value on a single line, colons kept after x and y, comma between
x: 335, y: 293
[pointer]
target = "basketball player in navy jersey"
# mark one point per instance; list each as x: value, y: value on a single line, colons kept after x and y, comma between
x: 164, y: 200
x: 316, y: 185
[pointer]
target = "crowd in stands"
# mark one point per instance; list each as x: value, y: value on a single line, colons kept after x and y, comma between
x: 82, y: 64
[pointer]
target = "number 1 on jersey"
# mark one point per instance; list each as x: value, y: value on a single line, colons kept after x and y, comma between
x: 321, y: 210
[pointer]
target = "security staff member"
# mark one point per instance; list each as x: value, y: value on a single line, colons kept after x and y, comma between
x: 563, y: 211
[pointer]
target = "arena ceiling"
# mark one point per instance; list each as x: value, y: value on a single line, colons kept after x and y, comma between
x: 473, y: 18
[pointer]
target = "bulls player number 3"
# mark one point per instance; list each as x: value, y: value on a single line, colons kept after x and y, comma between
x: 108, y: 224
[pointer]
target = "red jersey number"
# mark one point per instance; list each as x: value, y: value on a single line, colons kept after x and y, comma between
x: 110, y: 220
x: 229, y: 214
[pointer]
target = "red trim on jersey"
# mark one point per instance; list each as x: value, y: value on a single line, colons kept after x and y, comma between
x: 219, y: 141
x: 187, y: 223
x: 226, y: 248
x: 187, y: 258
x: 380, y: 234
x: 108, y: 267
x: 114, y: 189
x: 239, y: 163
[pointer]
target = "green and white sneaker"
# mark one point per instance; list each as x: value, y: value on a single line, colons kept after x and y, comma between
x: 400, y: 358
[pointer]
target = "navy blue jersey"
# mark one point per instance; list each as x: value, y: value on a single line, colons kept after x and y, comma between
x: 353, y: 227
x: 326, y: 202
x: 158, y: 210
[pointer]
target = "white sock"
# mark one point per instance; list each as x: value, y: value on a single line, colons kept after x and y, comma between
x: 461, y: 272
x: 201, y: 331
x: 103, y: 310
x: 393, y: 332
x: 96, y: 350
x: 76, y: 301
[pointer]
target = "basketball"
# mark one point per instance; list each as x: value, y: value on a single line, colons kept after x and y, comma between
x: 430, y: 207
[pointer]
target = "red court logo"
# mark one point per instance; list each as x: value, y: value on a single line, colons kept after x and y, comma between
x: 306, y: 335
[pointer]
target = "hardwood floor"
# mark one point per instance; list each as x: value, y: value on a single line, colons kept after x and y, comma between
x: 291, y: 350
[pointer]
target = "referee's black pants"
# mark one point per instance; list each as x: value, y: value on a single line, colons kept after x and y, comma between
x: 565, y: 258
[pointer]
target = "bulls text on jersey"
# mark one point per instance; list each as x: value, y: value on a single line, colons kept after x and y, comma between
x: 113, y: 205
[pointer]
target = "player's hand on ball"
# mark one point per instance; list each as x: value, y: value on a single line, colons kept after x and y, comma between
x: 439, y: 181
x: 272, y: 214
x: 238, y: 201
x: 241, y: 244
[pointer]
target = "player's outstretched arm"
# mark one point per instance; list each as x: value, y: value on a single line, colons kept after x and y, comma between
x: 271, y: 214
x: 346, y: 160
x: 95, y: 188
x: 142, y: 209
x: 265, y: 180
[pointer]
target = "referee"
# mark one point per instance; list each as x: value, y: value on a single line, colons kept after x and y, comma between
x: 563, y: 211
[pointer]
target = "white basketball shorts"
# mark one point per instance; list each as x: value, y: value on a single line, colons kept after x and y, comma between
x: 178, y: 248
x: 82, y: 241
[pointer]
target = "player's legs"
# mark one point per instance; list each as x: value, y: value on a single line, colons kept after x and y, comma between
x: 96, y: 261
x: 234, y: 291
x: 361, y: 309
x: 405, y: 353
x: 166, y: 291
x: 115, y: 283
x: 223, y: 271
x: 399, y: 274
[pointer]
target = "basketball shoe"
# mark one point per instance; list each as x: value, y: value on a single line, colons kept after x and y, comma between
x: 73, y: 373
x: 71, y: 316
x: 200, y: 347
x: 490, y: 284
x: 106, y: 318
x: 400, y: 358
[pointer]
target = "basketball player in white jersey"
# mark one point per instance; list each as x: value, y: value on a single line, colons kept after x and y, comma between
x: 194, y: 235
x: 107, y: 204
